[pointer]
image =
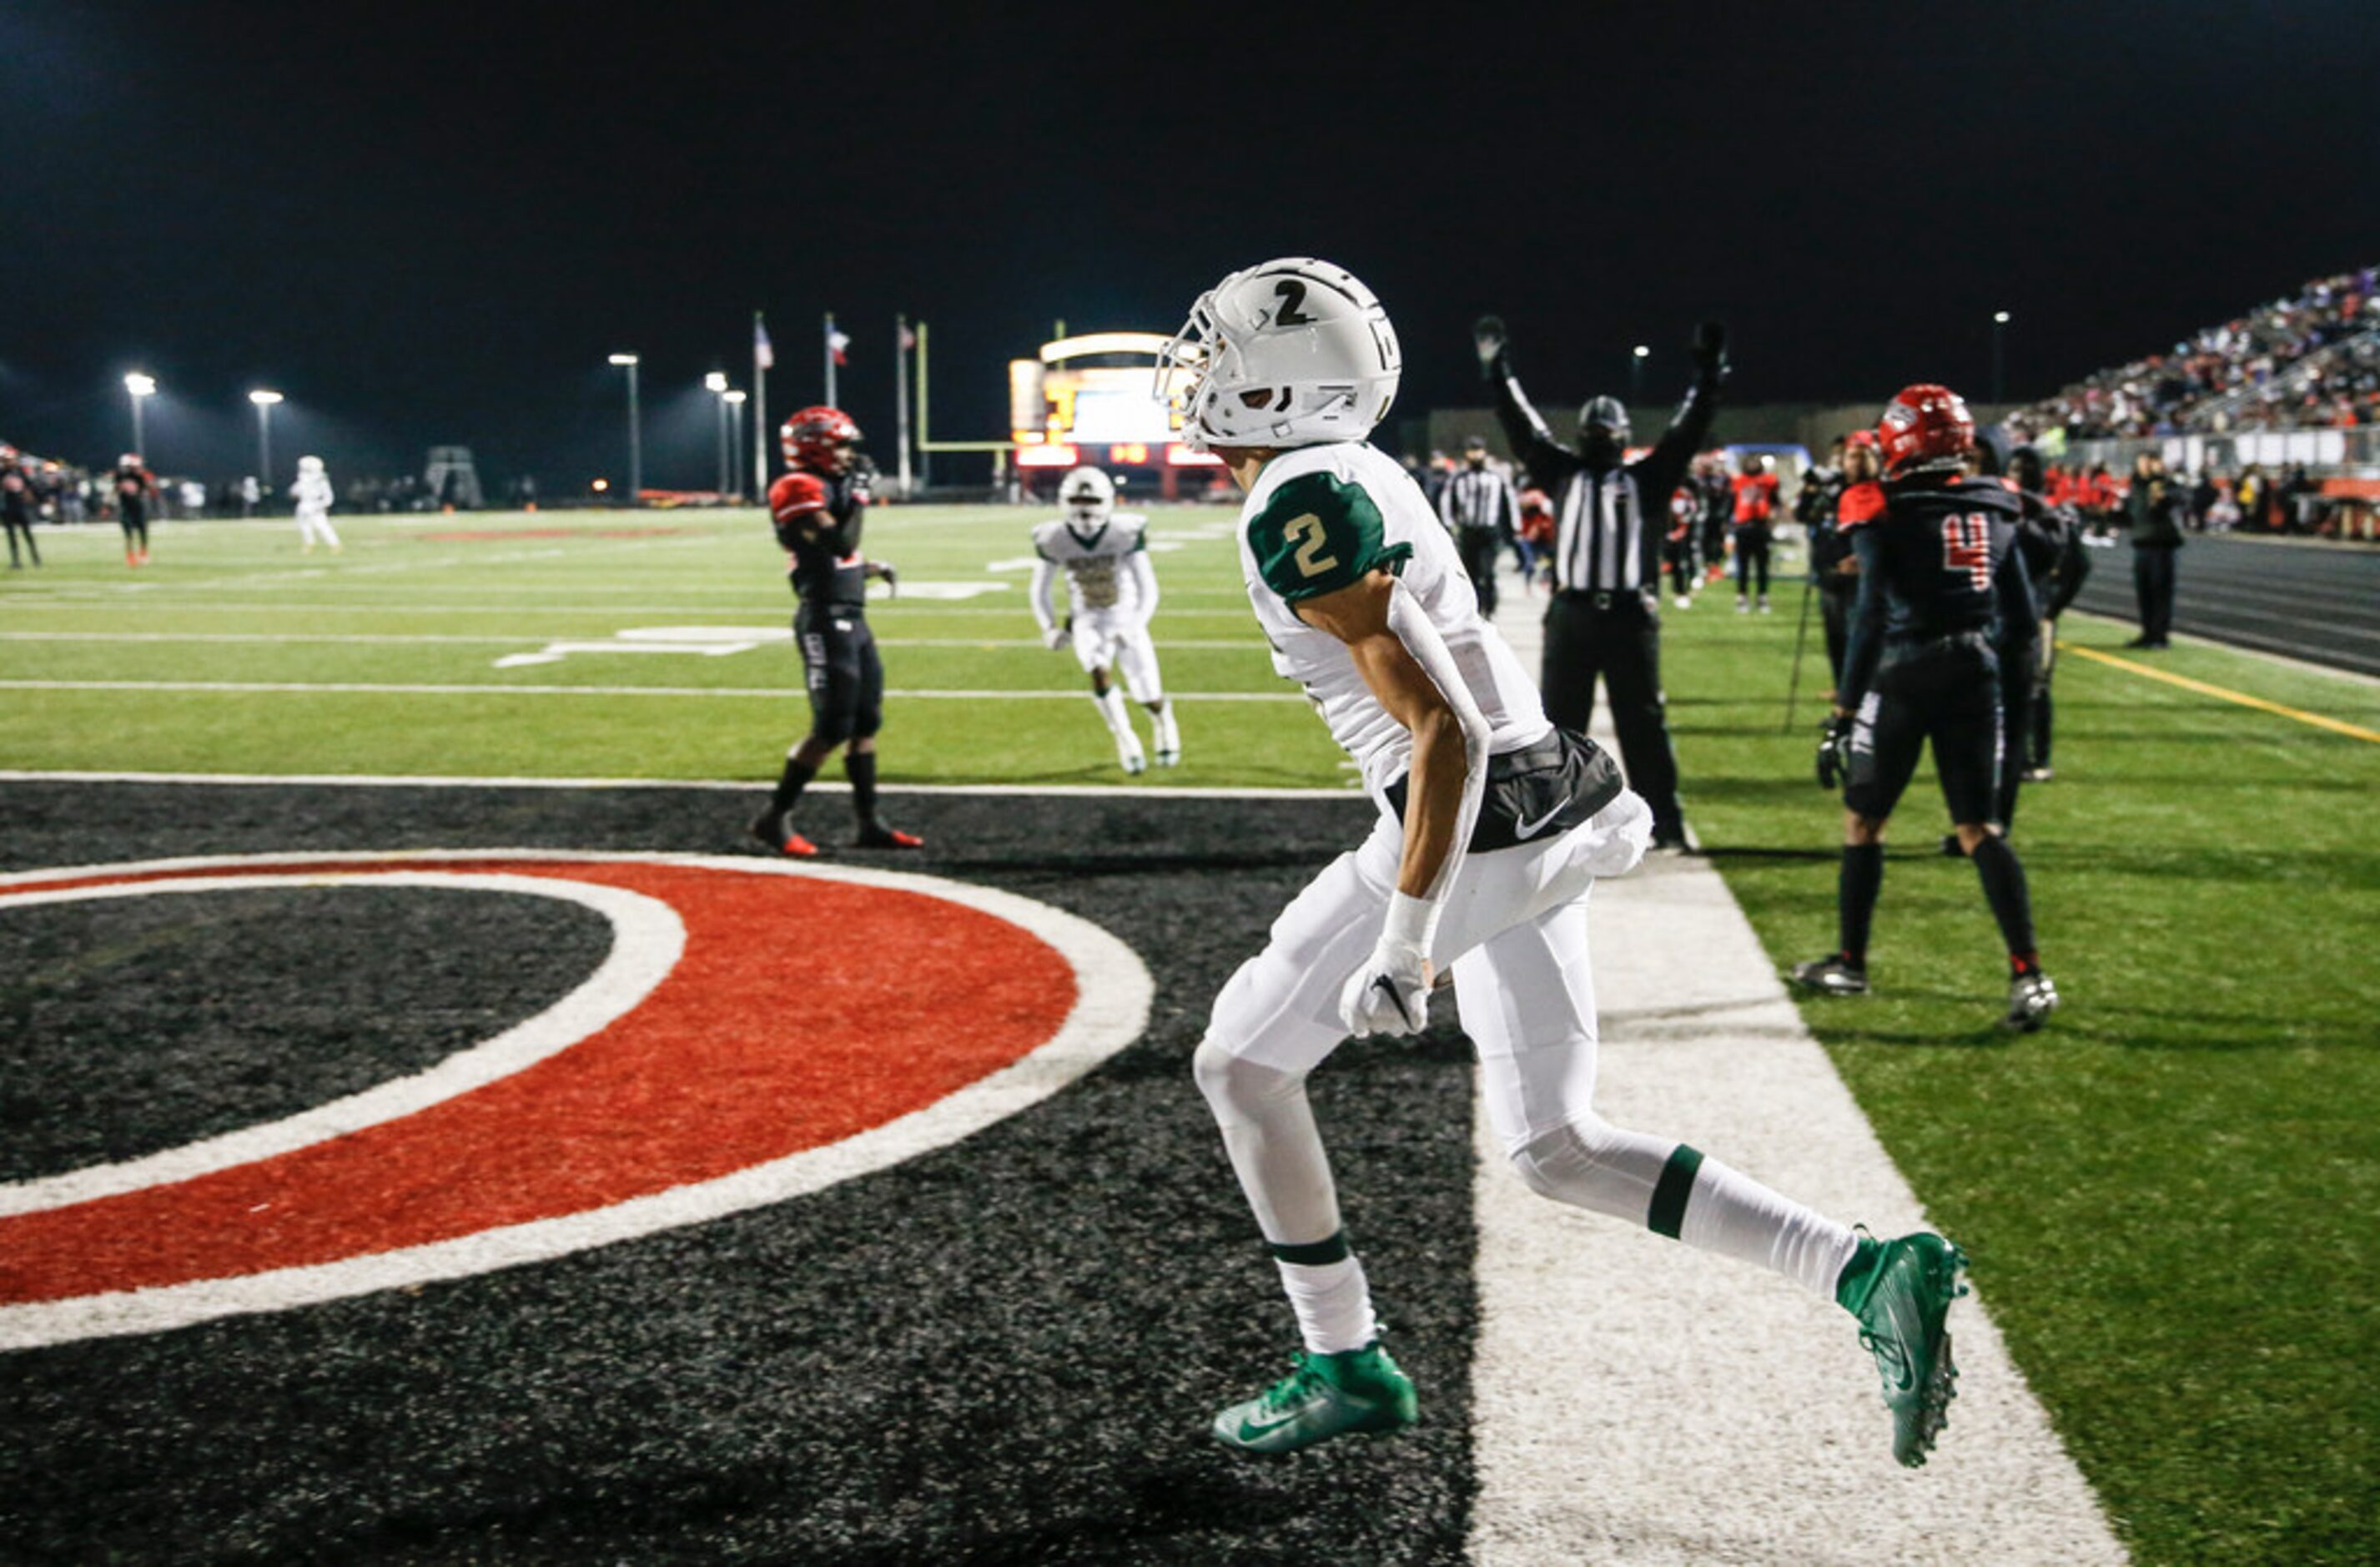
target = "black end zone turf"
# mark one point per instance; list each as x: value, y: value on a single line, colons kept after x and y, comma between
x: 1006, y: 1351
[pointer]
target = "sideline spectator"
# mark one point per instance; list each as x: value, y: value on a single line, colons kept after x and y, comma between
x: 2153, y: 505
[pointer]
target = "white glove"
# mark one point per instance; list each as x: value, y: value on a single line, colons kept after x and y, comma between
x: 1057, y: 636
x: 1390, y: 995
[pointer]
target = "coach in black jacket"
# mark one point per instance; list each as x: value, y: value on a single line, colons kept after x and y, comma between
x: 1611, y: 518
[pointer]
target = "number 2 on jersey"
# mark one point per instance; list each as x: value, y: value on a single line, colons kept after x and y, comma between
x: 1311, y: 561
x: 1967, y: 546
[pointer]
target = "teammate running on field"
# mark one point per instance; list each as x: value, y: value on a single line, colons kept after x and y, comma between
x: 817, y: 506
x: 1111, y: 593
x: 1493, y: 826
x: 1944, y: 608
x: 312, y: 495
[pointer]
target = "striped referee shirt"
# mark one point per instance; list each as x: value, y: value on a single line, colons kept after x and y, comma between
x: 1479, y: 497
x: 1600, y: 533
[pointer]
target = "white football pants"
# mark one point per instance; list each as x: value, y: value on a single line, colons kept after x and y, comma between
x: 310, y: 523
x: 1105, y: 638
x: 1514, y: 933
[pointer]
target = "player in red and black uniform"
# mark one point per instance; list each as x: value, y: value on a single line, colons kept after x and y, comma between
x: 1754, y: 502
x: 135, y: 487
x: 817, y: 506
x: 1943, y: 606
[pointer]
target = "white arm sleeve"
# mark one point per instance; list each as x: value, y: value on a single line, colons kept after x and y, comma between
x: 1143, y: 582
x: 1044, y: 571
x: 1412, y: 626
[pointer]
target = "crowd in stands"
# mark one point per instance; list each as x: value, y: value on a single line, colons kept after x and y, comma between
x: 2237, y: 375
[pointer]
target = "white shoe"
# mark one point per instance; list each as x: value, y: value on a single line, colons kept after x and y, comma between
x: 1744, y: 606
x: 1764, y: 604
x: 1169, y: 758
x: 1133, y: 761
x: 1685, y: 603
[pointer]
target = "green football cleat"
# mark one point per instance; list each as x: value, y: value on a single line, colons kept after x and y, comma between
x: 1326, y: 1396
x: 1903, y: 1303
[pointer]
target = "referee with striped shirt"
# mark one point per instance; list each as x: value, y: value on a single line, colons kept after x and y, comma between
x: 1610, y: 517
x: 1479, y: 508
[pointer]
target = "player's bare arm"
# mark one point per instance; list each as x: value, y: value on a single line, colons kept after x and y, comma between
x: 1358, y: 615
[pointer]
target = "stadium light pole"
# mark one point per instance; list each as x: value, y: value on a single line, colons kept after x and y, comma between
x: 264, y: 401
x: 636, y: 433
x: 1999, y: 358
x: 139, y: 386
x: 1636, y: 357
x: 734, y: 399
x: 716, y: 384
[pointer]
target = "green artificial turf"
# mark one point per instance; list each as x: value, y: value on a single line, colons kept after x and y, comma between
x: 2169, y: 1192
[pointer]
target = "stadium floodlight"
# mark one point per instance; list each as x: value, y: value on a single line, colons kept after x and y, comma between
x: 716, y: 384
x: 1999, y: 358
x: 264, y: 401
x: 1999, y: 317
x: 731, y: 403
x: 736, y: 397
x: 1636, y: 357
x: 636, y: 432
x: 140, y: 386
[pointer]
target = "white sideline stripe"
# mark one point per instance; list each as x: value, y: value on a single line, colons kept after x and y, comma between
x: 1351, y: 789
x: 647, y: 941
x: 1634, y: 1401
x: 1112, y: 994
x: 153, y: 605
x: 496, y: 688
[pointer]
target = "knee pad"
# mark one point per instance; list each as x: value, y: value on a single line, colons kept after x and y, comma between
x: 1590, y: 1163
x: 1236, y: 1086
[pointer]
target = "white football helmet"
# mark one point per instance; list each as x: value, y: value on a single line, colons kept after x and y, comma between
x: 1290, y: 353
x: 1088, y: 495
x: 310, y: 464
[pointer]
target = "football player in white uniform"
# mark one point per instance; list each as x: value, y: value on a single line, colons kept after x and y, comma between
x: 312, y: 495
x: 1493, y: 826
x: 1111, y: 591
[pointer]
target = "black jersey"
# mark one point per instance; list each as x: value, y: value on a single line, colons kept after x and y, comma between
x: 817, y: 519
x: 1940, y: 561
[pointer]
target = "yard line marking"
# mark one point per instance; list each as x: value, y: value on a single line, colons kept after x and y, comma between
x: 1640, y: 1402
x: 1245, y: 644
x: 2353, y: 730
x: 1352, y: 790
x: 152, y: 606
x: 773, y: 693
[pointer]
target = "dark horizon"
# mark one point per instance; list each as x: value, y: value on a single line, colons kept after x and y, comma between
x: 432, y: 227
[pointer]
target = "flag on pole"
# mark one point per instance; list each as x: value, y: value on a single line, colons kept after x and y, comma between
x: 764, y: 355
x: 837, y: 340
x: 908, y: 338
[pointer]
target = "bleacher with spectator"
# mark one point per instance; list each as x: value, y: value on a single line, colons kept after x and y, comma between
x: 2309, y: 360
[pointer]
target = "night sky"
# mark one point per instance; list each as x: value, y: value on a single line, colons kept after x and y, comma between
x: 427, y: 224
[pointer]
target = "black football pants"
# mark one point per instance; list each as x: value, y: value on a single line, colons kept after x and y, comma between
x: 2152, y: 581
x: 1621, y: 644
x: 1477, y: 548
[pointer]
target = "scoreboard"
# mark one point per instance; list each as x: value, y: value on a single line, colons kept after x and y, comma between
x: 1093, y: 399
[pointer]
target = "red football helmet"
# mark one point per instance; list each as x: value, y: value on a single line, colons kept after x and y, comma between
x: 1924, y: 423
x: 1860, y: 438
x: 811, y: 434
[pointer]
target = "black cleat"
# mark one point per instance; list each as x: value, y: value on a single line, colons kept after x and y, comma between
x: 769, y: 829
x: 2031, y: 998
x: 1832, y: 975
x: 876, y: 835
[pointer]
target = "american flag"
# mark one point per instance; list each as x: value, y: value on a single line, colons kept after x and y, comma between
x: 837, y: 340
x: 763, y: 354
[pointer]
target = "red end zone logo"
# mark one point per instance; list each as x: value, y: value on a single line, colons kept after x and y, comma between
x: 696, y: 1073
